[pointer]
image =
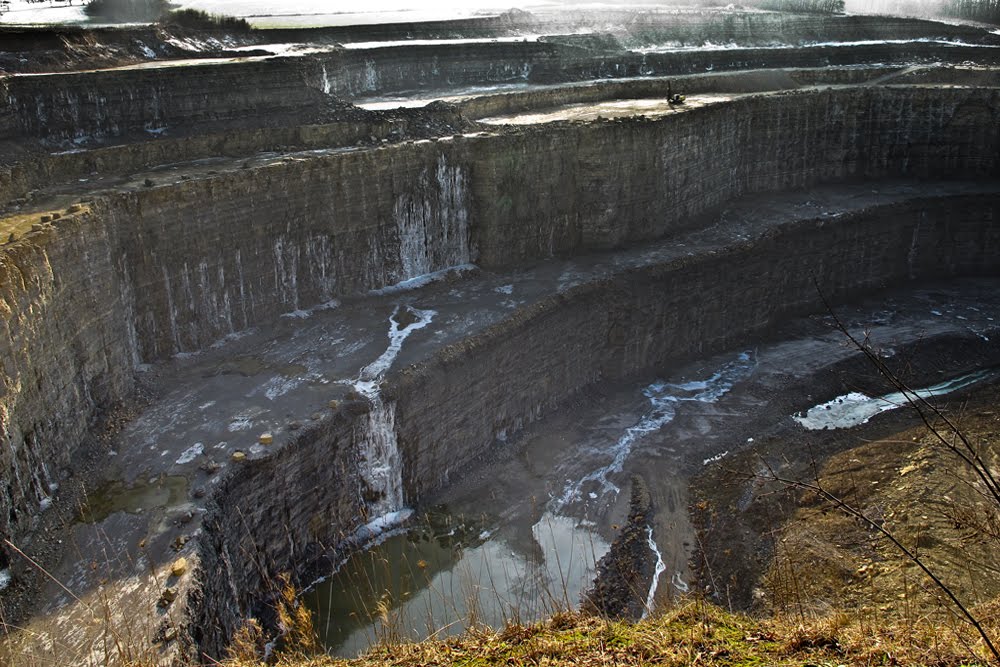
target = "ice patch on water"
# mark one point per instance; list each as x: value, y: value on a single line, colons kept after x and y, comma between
x: 191, y: 453
x: 504, y: 289
x: 380, y: 528
x: 424, y: 279
x: 664, y: 398
x: 5, y: 578
x: 856, y: 408
x: 661, y: 567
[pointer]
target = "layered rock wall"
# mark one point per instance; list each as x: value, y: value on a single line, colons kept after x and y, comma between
x: 145, y: 275
x: 84, y: 106
x: 281, y: 510
x: 605, y: 185
x: 67, y: 353
x: 19, y: 180
x: 523, y: 367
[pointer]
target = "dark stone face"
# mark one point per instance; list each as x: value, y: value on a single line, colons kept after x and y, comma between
x: 222, y: 197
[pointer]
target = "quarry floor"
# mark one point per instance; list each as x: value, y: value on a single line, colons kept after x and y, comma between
x: 148, y: 483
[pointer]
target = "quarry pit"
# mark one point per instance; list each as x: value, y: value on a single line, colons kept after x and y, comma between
x: 276, y: 299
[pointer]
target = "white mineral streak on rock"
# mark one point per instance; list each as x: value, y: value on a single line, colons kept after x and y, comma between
x: 286, y: 272
x: 327, y: 87
x: 856, y: 408
x: 433, y: 223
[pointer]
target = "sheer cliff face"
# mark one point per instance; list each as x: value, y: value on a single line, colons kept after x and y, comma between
x: 67, y: 353
x: 142, y: 276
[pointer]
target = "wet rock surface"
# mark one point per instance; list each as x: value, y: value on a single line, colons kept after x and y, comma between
x: 624, y: 573
x: 320, y: 315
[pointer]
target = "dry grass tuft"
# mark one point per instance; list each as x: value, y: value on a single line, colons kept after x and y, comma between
x: 694, y: 633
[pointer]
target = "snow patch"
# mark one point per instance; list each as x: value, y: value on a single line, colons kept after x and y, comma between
x: 190, y: 454
x: 240, y: 423
x: 719, y: 457
x: 664, y: 398
x: 380, y: 528
x: 660, y: 569
x: 856, y: 408
x: 424, y: 279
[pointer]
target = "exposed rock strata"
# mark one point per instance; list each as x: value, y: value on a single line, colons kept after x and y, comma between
x: 140, y: 276
x: 86, y: 106
x: 172, y: 269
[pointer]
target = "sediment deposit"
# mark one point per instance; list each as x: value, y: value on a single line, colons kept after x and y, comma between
x: 228, y: 240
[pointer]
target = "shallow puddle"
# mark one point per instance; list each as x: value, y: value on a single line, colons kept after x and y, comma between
x: 144, y: 495
x: 444, y: 572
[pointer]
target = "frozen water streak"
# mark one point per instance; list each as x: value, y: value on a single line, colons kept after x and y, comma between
x: 664, y: 398
x: 855, y: 408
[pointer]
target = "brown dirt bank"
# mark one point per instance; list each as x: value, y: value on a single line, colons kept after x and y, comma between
x: 772, y: 548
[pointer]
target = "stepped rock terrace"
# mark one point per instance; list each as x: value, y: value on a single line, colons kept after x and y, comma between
x: 263, y: 307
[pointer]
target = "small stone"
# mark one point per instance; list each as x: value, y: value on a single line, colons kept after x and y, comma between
x: 179, y: 542
x: 316, y: 416
x: 210, y: 466
x: 11, y: 238
x: 199, y: 492
x: 170, y: 634
x: 74, y: 208
x: 46, y: 218
x: 266, y: 438
x: 168, y: 595
x: 179, y: 567
x: 148, y: 183
x: 239, y: 456
x: 334, y: 404
x: 56, y: 216
x: 36, y: 227
x: 294, y: 426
